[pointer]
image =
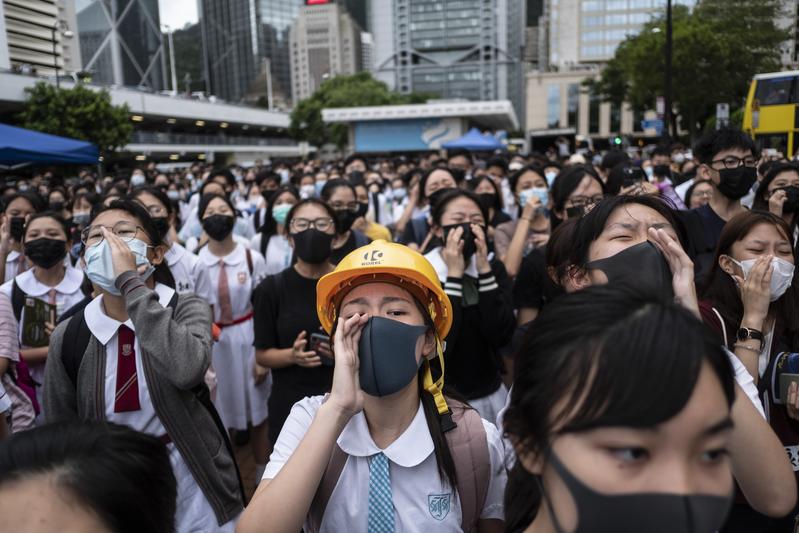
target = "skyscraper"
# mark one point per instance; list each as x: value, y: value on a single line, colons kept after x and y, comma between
x: 468, y: 49
x: 325, y: 42
x: 121, y: 42
x: 239, y: 37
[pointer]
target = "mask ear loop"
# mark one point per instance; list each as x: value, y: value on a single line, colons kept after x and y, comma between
x: 436, y: 387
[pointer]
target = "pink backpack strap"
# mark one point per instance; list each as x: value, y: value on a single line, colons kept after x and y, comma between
x: 469, y: 449
x: 338, y: 458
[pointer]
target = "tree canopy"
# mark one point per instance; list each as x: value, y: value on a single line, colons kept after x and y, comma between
x: 79, y: 112
x: 717, y: 48
x: 341, y: 91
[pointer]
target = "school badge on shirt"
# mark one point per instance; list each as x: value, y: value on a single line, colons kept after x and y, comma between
x: 439, y: 505
x: 242, y: 278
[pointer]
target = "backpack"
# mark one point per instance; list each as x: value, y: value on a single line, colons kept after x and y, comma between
x: 469, y: 449
x: 76, y: 340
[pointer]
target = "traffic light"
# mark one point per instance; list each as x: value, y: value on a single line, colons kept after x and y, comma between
x: 617, y: 140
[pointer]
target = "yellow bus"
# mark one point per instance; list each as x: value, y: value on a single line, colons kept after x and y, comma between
x: 771, y: 116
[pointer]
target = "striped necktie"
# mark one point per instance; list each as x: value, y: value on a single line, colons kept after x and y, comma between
x: 127, y: 389
x: 381, y: 506
x: 223, y: 294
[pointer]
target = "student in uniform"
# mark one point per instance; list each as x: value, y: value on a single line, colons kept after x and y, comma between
x: 385, y: 450
x: 142, y: 365
x: 45, y: 245
x: 480, y: 291
x: 285, y: 321
x: 639, y: 446
x: 18, y: 208
x: 191, y: 274
x: 243, y: 385
x: 271, y: 240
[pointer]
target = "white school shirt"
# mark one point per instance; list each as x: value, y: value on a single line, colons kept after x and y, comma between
x: 191, y: 274
x: 416, y: 486
x: 240, y: 282
x: 278, y: 253
x: 193, y: 512
x: 12, y: 265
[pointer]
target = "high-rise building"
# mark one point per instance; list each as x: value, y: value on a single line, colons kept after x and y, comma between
x: 325, y: 42
x: 470, y: 49
x: 367, y: 51
x: 244, y: 37
x: 37, y: 35
x: 121, y: 42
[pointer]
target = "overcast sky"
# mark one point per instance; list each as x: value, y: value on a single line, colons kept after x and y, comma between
x: 176, y: 13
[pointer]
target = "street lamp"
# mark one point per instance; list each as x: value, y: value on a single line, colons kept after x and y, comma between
x: 66, y: 32
x: 667, y: 95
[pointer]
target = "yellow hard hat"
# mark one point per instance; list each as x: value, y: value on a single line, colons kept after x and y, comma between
x: 388, y: 262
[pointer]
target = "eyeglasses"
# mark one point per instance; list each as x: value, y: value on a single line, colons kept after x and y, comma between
x: 582, y: 201
x: 299, y: 225
x: 349, y: 206
x: 156, y: 211
x: 731, y: 161
x: 93, y: 235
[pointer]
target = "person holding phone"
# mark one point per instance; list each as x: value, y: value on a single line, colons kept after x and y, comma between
x: 387, y: 449
x: 18, y: 208
x: 284, y: 316
x: 751, y: 301
x: 778, y: 193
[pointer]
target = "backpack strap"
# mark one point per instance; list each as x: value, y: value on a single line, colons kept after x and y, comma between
x: 249, y: 260
x: 75, y: 341
x: 469, y: 449
x: 338, y: 458
x: 264, y: 243
x: 17, y: 299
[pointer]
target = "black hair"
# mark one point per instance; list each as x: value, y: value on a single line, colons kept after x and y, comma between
x: 618, y: 173
x: 158, y: 194
x: 331, y: 186
x: 721, y: 290
x: 605, y: 327
x: 31, y: 197
x: 310, y: 201
x: 497, y: 161
x: 205, y: 185
x: 441, y: 205
x: 266, y: 175
x: 777, y: 168
x: 568, y: 181
x: 225, y: 173
x: 269, y: 226
x: 725, y: 138
x: 498, y: 203
x: 514, y: 178
x: 206, y: 199
x: 592, y: 224
x: 660, y: 150
x: 55, y: 215
x: 162, y: 274
x: 455, y: 152
x: 613, y: 158
x: 90, y: 197
x: 690, y: 191
x: 354, y: 157
x: 558, y: 250
x: 122, y: 476
x: 426, y: 176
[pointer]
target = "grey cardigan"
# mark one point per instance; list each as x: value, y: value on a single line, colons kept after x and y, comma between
x: 175, y: 352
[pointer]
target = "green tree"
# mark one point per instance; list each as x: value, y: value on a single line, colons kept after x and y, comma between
x: 341, y: 91
x: 80, y: 113
x: 717, y: 48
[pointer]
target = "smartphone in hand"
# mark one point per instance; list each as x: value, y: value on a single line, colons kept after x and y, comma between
x: 318, y: 341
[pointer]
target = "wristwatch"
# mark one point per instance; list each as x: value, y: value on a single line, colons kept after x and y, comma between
x: 744, y: 334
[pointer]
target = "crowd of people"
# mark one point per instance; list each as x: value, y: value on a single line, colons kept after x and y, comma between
x: 545, y: 342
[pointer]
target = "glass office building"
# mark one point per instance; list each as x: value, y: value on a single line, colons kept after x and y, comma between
x: 121, y: 42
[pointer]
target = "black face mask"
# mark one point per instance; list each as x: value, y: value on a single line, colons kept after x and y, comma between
x: 663, y: 171
x: 17, y: 228
x: 162, y: 223
x: 312, y: 245
x: 637, y: 512
x: 45, y: 252
x: 363, y: 207
x: 791, y: 204
x: 458, y: 174
x: 387, y: 354
x: 436, y: 196
x: 641, y: 266
x: 575, y: 211
x: 344, y: 220
x: 57, y: 206
x: 469, y: 246
x: 218, y: 227
x: 735, y: 183
x: 488, y: 200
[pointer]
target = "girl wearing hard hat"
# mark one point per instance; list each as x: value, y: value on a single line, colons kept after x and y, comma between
x: 385, y: 450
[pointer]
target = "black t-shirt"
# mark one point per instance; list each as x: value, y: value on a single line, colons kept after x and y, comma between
x: 532, y: 287
x: 284, y: 305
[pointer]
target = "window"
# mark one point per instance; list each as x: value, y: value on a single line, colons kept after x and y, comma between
x: 573, y: 104
x: 774, y: 91
x: 592, y: 5
x: 593, y: 112
x: 553, y: 106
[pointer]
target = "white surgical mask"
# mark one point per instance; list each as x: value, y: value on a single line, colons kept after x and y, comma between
x: 137, y: 180
x: 100, y: 266
x: 550, y: 176
x: 307, y: 191
x: 781, y: 275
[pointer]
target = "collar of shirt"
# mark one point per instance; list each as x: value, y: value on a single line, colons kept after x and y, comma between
x: 12, y: 256
x: 434, y: 256
x: 174, y: 253
x: 236, y: 257
x: 410, y: 449
x: 73, y: 278
x: 103, y: 327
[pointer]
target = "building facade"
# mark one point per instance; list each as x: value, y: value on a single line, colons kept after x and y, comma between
x: 462, y: 49
x: 36, y: 36
x: 121, y: 42
x: 325, y: 42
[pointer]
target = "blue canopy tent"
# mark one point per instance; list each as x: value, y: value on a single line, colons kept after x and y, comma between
x: 475, y: 141
x: 20, y: 147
